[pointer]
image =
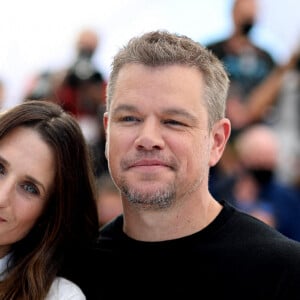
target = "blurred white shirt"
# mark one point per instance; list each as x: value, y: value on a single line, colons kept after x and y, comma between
x: 61, y: 288
x: 64, y: 289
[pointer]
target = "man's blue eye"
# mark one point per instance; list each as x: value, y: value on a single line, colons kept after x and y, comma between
x: 173, y: 122
x: 129, y: 119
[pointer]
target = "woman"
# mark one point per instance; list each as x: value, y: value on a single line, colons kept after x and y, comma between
x: 47, y: 201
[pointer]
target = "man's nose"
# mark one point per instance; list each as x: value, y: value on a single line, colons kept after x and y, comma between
x: 150, y: 135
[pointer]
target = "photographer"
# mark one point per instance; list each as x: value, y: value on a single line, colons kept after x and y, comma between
x: 82, y: 92
x: 247, y: 64
x: 83, y: 88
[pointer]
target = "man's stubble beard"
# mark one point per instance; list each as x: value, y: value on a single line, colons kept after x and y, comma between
x: 155, y: 199
x: 162, y: 198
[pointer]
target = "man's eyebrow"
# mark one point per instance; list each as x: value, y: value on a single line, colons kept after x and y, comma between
x: 124, y: 107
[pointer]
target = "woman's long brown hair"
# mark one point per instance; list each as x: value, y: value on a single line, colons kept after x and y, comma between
x: 70, y: 218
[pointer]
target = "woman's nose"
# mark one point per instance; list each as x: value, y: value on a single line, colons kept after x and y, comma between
x: 6, y: 188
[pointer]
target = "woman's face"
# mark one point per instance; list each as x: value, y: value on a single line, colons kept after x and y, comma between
x: 26, y: 177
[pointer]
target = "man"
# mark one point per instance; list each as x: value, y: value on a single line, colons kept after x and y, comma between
x: 165, y: 128
x: 255, y: 81
x: 258, y: 148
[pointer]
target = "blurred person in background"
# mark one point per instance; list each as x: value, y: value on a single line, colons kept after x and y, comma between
x: 286, y: 120
x: 246, y: 63
x: 82, y: 90
x: 254, y: 90
x: 245, y: 190
x: 44, y: 86
x: 257, y: 149
x: 278, y: 97
x: 47, y: 202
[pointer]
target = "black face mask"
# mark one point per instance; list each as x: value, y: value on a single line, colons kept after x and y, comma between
x: 246, y: 27
x: 85, y: 53
x: 261, y: 176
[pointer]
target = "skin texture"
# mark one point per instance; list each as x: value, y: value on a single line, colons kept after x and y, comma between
x: 26, y: 177
x: 160, y: 150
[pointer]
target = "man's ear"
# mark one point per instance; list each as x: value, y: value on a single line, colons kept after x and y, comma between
x: 105, y: 126
x: 219, y: 136
x: 105, y: 121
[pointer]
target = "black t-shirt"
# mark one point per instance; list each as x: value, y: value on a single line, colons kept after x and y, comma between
x: 234, y: 257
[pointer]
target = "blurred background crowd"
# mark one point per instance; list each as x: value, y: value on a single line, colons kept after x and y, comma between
x: 61, y: 51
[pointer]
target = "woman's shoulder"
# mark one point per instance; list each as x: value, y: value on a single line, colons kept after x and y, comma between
x: 64, y: 289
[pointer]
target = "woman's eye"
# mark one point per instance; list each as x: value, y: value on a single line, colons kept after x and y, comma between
x: 30, y: 188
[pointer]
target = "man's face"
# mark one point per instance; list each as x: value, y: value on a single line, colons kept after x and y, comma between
x: 158, y: 142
